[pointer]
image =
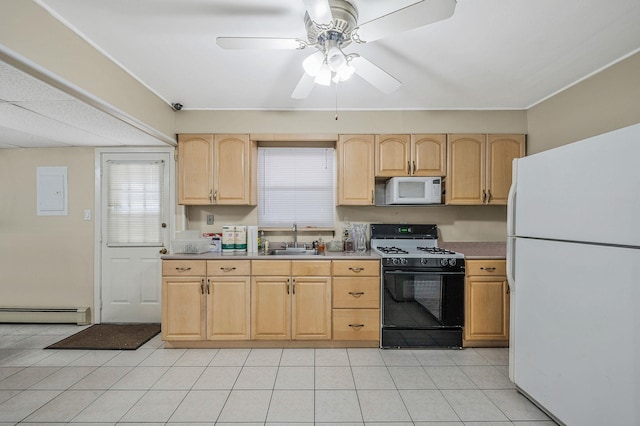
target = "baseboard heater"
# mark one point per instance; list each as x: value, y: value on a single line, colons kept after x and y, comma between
x: 80, y: 316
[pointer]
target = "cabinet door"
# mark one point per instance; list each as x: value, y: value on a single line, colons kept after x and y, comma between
x: 487, y: 308
x: 428, y: 155
x: 271, y: 308
x: 232, y: 169
x: 183, y: 306
x: 311, y: 308
x: 465, y: 181
x: 228, y: 308
x: 501, y: 150
x: 392, y: 155
x: 195, y: 169
x: 355, y: 170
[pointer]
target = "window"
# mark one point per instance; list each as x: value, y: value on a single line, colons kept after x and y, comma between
x: 134, y: 203
x: 296, y: 185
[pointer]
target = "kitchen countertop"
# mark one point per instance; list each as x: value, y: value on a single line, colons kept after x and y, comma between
x: 328, y: 255
x: 478, y: 250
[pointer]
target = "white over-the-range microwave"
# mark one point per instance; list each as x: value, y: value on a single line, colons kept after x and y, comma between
x: 414, y: 190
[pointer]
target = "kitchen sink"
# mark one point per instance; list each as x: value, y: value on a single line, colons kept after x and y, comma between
x: 293, y: 251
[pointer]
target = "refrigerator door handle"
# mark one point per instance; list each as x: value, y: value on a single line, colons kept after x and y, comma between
x: 511, y: 255
x: 511, y: 201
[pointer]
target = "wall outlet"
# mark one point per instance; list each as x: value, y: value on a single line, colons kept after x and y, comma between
x: 209, y: 219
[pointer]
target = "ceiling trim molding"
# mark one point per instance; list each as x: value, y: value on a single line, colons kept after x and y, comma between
x: 27, y: 66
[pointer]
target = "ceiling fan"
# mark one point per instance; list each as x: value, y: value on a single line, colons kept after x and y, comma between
x: 333, y: 25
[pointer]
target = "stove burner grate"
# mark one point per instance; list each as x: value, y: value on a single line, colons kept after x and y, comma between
x: 435, y: 250
x: 392, y: 250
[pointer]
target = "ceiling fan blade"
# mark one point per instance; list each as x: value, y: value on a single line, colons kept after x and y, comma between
x: 414, y: 16
x: 260, y: 43
x: 375, y: 75
x: 304, y: 87
x: 319, y: 11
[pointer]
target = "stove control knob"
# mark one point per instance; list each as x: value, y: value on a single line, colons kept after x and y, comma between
x: 403, y: 261
x: 444, y: 262
x: 452, y: 262
x: 424, y: 261
x: 396, y: 260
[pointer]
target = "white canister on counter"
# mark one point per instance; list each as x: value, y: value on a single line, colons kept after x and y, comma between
x: 240, y: 238
x: 228, y: 238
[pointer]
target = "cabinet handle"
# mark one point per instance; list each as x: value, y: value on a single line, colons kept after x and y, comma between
x: 294, y: 286
x: 210, y: 195
x: 373, y: 200
x: 288, y: 281
x: 484, y: 196
x: 227, y: 268
x: 413, y: 170
x: 215, y: 196
x: 356, y: 269
x: 356, y: 326
x: 202, y: 286
x: 488, y: 269
x: 208, y: 286
x: 183, y: 269
x: 488, y: 196
x: 408, y: 167
x: 356, y: 293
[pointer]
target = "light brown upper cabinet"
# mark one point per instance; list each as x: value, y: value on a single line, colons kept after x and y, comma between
x: 216, y: 169
x: 479, y: 167
x: 410, y: 155
x: 355, y: 170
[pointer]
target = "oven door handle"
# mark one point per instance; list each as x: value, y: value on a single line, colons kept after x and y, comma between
x: 396, y: 272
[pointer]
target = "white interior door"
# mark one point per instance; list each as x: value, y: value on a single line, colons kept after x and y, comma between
x: 135, y: 226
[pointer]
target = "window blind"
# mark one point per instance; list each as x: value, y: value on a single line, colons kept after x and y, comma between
x: 134, y: 203
x: 296, y: 185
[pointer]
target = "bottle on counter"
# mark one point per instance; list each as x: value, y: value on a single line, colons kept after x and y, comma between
x: 260, y: 240
x: 320, y: 245
x: 265, y: 245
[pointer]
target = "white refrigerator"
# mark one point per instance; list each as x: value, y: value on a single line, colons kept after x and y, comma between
x: 573, y: 266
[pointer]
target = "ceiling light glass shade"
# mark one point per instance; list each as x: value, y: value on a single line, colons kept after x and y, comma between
x: 344, y: 73
x: 313, y: 64
x: 335, y: 59
x: 324, y: 76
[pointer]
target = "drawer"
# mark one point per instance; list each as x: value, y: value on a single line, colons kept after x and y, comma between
x: 356, y: 268
x: 271, y: 267
x: 356, y: 324
x: 228, y: 267
x: 311, y: 267
x: 184, y: 267
x: 356, y: 292
x: 486, y: 267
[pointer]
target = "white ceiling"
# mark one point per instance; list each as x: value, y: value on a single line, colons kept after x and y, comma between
x: 491, y: 54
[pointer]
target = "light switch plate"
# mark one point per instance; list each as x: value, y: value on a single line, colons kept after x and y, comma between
x: 210, y: 219
x: 87, y: 214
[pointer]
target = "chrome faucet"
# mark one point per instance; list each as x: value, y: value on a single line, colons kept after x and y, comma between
x: 295, y: 235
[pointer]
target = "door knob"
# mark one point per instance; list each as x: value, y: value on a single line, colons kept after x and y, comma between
x: 164, y: 225
x: 163, y: 250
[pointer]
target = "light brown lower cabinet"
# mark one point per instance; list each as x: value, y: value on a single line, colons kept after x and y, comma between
x: 291, y: 300
x: 205, y: 300
x: 486, y: 303
x: 356, y: 300
x: 252, y: 302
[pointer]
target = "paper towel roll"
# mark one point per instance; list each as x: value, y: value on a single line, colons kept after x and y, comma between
x: 252, y: 239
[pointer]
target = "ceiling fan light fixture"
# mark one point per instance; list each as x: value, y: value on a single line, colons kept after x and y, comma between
x: 324, y: 76
x: 313, y: 64
x: 344, y: 73
x: 335, y: 59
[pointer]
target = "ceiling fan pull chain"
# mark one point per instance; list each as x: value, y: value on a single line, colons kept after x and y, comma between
x: 337, y: 84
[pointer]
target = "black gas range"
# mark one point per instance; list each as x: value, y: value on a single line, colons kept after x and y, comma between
x: 422, y: 287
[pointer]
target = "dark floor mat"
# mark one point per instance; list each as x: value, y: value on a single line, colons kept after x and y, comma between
x: 110, y: 337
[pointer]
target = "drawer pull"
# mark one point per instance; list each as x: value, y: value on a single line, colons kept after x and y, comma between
x: 356, y: 326
x: 356, y: 293
x: 356, y: 269
x: 488, y: 269
x: 228, y: 268
x: 183, y: 269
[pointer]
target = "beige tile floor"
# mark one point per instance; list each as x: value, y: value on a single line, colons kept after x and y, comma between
x: 157, y: 386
